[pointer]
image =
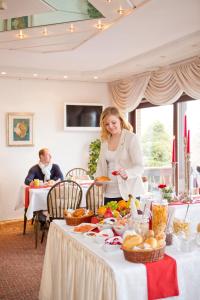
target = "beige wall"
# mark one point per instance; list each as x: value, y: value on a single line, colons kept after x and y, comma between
x: 45, y: 99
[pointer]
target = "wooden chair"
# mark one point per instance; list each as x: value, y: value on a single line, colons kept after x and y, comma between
x: 76, y: 172
x: 63, y: 195
x: 94, y: 197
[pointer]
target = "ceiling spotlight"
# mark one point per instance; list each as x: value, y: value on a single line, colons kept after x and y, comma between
x: 3, y: 73
x: 35, y: 75
x: 21, y: 35
x: 121, y: 10
x: 3, y: 4
x: 71, y: 28
x: 109, y: 1
x: 45, y: 31
x: 65, y: 76
x: 99, y: 25
x: 95, y: 77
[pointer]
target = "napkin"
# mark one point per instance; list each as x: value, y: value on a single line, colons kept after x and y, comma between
x: 162, y: 278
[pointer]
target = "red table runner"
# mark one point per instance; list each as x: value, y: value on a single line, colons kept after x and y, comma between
x: 162, y: 279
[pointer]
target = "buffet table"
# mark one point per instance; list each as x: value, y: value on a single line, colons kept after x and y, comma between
x: 75, y: 267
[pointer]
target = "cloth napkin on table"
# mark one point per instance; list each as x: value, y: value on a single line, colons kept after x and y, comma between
x: 162, y: 279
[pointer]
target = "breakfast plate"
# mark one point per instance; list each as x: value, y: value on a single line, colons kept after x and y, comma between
x: 84, y: 227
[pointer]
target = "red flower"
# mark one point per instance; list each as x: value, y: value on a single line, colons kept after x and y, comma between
x: 162, y: 186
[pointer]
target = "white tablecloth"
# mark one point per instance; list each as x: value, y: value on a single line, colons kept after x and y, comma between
x: 77, y: 268
x: 38, y: 199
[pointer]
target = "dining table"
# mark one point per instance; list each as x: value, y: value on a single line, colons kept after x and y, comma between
x: 76, y: 267
x: 35, y: 198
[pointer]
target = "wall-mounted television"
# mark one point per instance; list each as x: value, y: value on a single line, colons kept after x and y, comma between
x: 82, y: 116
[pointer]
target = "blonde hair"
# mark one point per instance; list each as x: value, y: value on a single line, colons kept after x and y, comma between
x: 114, y: 111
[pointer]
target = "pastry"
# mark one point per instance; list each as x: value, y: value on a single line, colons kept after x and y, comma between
x: 198, y: 227
x: 79, y: 212
x: 152, y: 242
x: 131, y: 241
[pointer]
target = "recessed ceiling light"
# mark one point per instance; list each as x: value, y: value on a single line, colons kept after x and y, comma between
x: 65, y: 76
x: 3, y: 73
x: 21, y: 35
x: 121, y: 10
x: 45, y: 31
x: 35, y: 74
x: 71, y: 28
x: 95, y: 77
x: 99, y: 25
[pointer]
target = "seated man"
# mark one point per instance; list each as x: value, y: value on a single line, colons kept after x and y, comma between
x: 44, y: 170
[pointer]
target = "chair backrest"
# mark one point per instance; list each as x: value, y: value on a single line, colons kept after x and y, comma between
x: 63, y: 195
x: 76, y: 173
x: 94, y: 197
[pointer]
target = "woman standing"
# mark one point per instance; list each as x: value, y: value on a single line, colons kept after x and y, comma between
x: 120, y: 152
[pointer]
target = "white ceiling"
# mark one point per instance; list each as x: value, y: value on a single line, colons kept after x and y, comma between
x: 153, y: 35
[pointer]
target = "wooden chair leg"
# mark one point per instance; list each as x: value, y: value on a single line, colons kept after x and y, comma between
x: 25, y: 220
x: 36, y: 224
x: 43, y: 235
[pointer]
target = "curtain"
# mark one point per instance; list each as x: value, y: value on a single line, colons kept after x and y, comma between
x: 158, y: 87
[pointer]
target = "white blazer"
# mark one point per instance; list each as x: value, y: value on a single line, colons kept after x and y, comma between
x: 129, y: 157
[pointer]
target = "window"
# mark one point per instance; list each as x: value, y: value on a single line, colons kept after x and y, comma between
x: 156, y: 126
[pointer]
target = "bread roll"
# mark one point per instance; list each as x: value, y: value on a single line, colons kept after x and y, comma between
x: 198, y: 227
x: 161, y: 236
x: 152, y: 242
x: 150, y: 233
x: 132, y: 240
x: 161, y: 243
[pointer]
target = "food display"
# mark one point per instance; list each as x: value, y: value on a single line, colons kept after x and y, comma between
x: 77, y: 216
x: 141, y: 249
x: 159, y: 216
x: 114, y: 209
x: 84, y: 228
x: 181, y: 226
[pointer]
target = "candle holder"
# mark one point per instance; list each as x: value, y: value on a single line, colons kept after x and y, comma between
x: 174, y: 166
x: 187, y: 190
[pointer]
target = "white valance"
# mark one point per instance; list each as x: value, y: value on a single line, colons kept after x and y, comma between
x: 158, y: 87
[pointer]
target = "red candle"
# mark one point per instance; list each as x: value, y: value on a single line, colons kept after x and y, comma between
x: 188, y: 142
x: 185, y: 126
x: 173, y: 151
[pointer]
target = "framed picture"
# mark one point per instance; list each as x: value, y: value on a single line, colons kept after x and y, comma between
x: 20, y: 129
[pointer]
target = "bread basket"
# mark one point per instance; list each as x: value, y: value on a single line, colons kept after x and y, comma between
x: 144, y: 256
x: 73, y: 221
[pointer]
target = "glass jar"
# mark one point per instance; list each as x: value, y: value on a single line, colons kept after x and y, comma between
x: 159, y: 216
x: 140, y: 224
x: 181, y: 226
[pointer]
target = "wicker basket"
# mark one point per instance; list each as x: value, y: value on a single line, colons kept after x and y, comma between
x: 141, y: 256
x: 73, y: 221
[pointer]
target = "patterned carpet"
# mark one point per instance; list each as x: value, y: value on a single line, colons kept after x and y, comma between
x: 20, y: 263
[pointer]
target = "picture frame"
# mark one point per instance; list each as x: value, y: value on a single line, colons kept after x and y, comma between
x: 20, y: 129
